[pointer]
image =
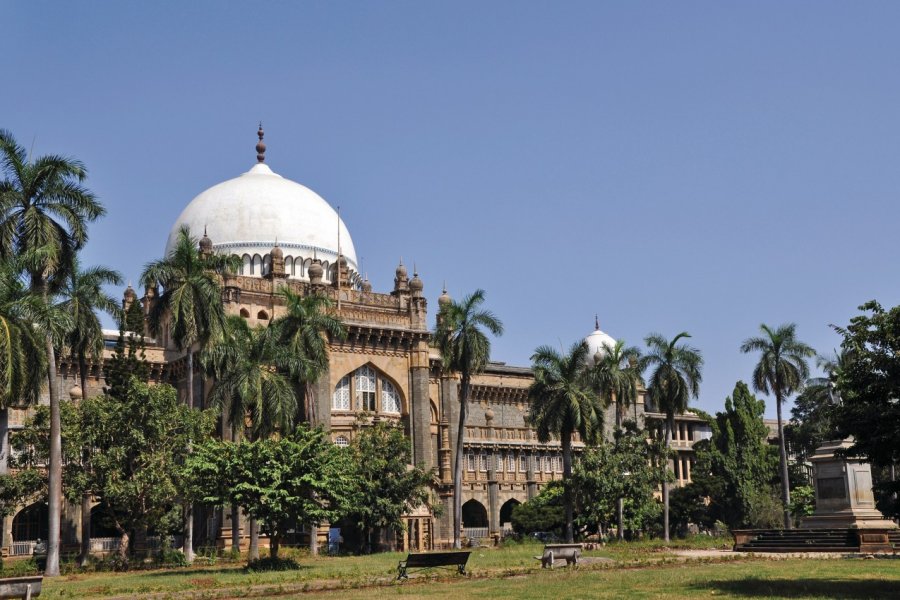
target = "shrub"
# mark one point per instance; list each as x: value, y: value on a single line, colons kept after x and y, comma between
x: 19, y: 568
x: 112, y: 562
x: 272, y: 564
x: 171, y: 557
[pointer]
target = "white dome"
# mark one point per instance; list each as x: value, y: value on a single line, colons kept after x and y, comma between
x: 599, y: 343
x: 247, y: 215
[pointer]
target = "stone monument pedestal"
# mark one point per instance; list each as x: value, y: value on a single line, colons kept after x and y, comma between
x: 844, y: 498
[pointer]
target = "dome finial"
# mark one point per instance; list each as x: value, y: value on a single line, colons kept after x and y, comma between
x: 260, y: 146
x: 596, y: 323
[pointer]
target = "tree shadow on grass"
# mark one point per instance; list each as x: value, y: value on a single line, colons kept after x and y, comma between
x: 849, y: 589
x: 200, y: 572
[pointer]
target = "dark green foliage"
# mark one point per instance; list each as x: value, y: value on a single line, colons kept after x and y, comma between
x: 23, y: 359
x: 128, y: 361
x: 299, y: 478
x: 737, y: 466
x: 544, y: 512
x: 387, y: 487
x: 134, y: 318
x: 609, y: 471
x: 869, y: 383
x: 18, y: 488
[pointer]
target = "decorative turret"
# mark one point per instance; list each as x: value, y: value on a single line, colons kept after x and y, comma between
x: 341, y: 273
x: 401, y: 280
x: 444, y: 299
x: 415, y: 285
x: 206, y: 245
x: 366, y: 285
x: 315, y: 272
x: 277, y: 260
x: 128, y: 297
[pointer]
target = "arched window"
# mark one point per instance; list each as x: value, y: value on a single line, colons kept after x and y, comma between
x: 256, y: 266
x: 262, y: 315
x: 267, y: 264
x: 365, y: 389
x: 390, y: 399
x: 289, y: 266
x: 245, y: 313
x: 341, y: 441
x: 340, y: 400
x: 247, y: 265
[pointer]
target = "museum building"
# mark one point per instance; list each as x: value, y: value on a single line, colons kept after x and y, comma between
x: 287, y: 236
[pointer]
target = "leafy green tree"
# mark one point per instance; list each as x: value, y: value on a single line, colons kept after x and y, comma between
x: 137, y: 443
x: 303, y: 330
x: 190, y: 305
x: 134, y: 317
x: 869, y: 383
x: 613, y: 472
x: 674, y: 380
x: 543, y: 513
x: 737, y: 463
x: 781, y: 371
x: 562, y: 404
x: 250, y: 370
x: 81, y: 295
x: 44, y: 213
x: 387, y: 486
x: 281, y: 482
x: 465, y: 349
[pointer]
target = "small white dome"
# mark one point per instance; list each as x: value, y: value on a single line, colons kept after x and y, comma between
x: 248, y: 214
x: 599, y: 342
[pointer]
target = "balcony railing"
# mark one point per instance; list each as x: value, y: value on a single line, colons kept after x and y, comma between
x: 22, y: 548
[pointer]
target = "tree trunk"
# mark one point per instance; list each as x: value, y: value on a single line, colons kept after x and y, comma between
x: 123, y: 543
x: 274, y: 541
x: 785, y: 481
x: 254, y: 539
x: 313, y: 539
x: 670, y: 422
x: 55, y: 466
x: 235, y: 529
x: 457, y: 467
x: 567, y: 489
x: 85, y: 529
x: 188, y: 548
x: 620, y: 502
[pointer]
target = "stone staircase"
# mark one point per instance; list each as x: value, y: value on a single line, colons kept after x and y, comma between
x: 894, y: 537
x: 802, y: 540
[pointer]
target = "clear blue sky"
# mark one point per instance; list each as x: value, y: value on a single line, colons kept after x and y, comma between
x: 699, y: 166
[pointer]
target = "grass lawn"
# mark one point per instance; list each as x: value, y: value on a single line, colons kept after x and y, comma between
x: 639, y: 570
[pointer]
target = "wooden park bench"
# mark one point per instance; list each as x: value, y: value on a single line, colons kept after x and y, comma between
x: 552, y: 552
x: 21, y: 587
x: 430, y: 560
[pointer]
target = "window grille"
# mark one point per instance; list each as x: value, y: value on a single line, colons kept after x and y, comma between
x: 341, y: 398
x: 390, y: 399
x: 365, y: 389
x: 471, y: 461
x: 341, y: 441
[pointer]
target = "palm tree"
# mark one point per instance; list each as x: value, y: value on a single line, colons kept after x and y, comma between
x: 44, y: 212
x: 190, y: 306
x: 465, y: 349
x: 304, y: 329
x: 250, y: 370
x: 615, y: 377
x: 562, y: 403
x: 781, y: 371
x: 81, y: 295
x: 674, y: 381
x: 23, y: 358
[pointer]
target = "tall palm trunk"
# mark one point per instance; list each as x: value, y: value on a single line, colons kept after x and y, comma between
x: 620, y: 502
x: 55, y: 467
x: 567, y: 489
x: 785, y: 481
x: 235, y: 511
x: 670, y: 423
x: 457, y: 466
x: 188, y: 548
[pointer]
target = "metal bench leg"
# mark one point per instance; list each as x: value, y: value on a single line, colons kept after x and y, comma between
x: 28, y: 592
x: 401, y: 572
x: 461, y: 569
